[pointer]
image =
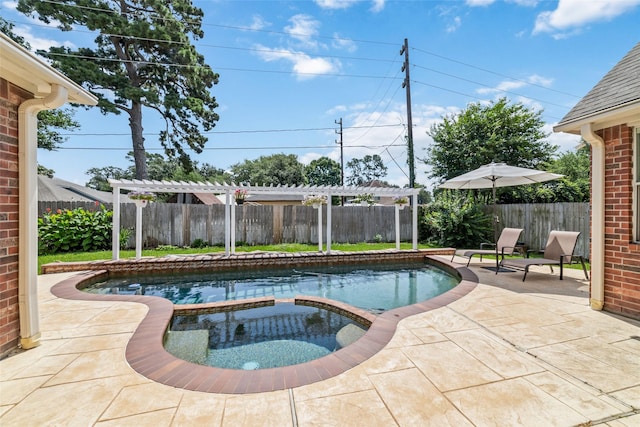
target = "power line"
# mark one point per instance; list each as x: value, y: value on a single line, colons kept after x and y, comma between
x: 262, y: 147
x: 325, y: 56
x: 487, y: 86
x: 493, y: 72
x: 233, y: 131
x: 204, y: 24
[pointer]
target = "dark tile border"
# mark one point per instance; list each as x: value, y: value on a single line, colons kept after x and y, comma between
x: 146, y: 355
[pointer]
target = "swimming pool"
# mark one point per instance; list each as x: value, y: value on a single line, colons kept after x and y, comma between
x: 375, y: 288
x: 146, y: 354
x: 259, y: 338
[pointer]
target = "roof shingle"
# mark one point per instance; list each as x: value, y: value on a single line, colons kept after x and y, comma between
x: 618, y: 88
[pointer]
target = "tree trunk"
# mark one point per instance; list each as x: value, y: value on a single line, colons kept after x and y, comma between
x: 139, y: 153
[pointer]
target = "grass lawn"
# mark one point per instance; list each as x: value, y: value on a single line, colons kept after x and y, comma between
x: 172, y: 250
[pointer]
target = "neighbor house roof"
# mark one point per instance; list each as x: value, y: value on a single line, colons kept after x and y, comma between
x: 59, y: 190
x: 615, y: 99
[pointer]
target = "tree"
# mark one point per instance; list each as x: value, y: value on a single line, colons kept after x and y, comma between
x: 365, y: 170
x: 50, y: 123
x: 574, y: 187
x: 276, y: 169
x: 480, y: 134
x: 323, y: 171
x: 99, y: 176
x: 143, y: 57
x: 159, y: 169
x: 45, y: 171
x: 576, y: 168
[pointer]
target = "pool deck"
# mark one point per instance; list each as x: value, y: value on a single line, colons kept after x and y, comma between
x: 507, y: 353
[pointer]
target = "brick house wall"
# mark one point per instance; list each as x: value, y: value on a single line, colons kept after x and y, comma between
x: 622, y: 256
x: 11, y: 97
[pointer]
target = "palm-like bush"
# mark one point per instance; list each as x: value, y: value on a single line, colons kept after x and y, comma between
x: 454, y: 220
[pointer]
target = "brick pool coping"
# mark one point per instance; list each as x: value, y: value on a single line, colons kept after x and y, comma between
x: 145, y: 352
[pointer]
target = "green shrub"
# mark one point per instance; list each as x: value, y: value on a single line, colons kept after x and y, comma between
x: 125, y: 235
x: 74, y: 230
x: 453, y: 220
x: 199, y: 243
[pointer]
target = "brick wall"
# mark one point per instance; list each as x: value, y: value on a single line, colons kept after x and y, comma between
x: 10, y: 98
x: 622, y: 257
x: 240, y: 261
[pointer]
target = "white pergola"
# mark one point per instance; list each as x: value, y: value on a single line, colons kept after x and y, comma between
x: 230, y: 220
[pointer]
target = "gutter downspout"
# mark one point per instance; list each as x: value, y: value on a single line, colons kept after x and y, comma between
x: 28, y: 212
x: 596, y: 300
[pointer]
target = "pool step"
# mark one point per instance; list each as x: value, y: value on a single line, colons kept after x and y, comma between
x: 348, y: 335
x: 192, y: 346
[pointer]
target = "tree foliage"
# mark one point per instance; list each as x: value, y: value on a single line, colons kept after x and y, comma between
x: 454, y: 220
x: 50, y: 123
x: 323, y: 171
x: 365, y: 170
x: 480, y: 134
x: 573, y: 187
x: 276, y: 169
x: 160, y: 168
x: 143, y: 56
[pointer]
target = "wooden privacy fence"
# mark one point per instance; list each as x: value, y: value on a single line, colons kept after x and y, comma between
x: 540, y: 218
x: 182, y: 224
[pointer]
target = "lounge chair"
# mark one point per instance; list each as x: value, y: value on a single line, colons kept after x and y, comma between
x: 558, y: 251
x: 506, y: 245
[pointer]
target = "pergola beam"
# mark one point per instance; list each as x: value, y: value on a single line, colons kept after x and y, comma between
x: 156, y: 186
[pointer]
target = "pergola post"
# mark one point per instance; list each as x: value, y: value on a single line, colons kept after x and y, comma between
x: 414, y: 231
x: 138, y: 230
x: 227, y: 230
x: 397, y: 212
x: 115, y: 225
x: 320, y: 227
x: 233, y: 208
x: 329, y: 205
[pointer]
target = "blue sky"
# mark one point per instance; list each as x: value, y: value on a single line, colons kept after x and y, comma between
x: 290, y: 69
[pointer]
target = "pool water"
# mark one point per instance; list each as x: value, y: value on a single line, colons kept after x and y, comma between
x: 375, y: 288
x: 258, y: 338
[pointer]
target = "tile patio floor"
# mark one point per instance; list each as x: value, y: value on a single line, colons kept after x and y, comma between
x: 508, y: 353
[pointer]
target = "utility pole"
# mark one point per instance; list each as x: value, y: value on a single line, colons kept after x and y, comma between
x: 406, y: 84
x: 339, y: 132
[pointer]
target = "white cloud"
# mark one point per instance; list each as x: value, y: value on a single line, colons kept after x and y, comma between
x: 338, y: 109
x: 307, y: 67
x: 479, y: 3
x: 510, y: 85
x: 527, y: 3
x: 378, y: 6
x: 303, y: 65
x: 564, y: 141
x: 572, y: 14
x: 258, y: 23
x: 11, y: 5
x: 38, y: 43
x: 454, y: 25
x: 335, y: 4
x: 482, y: 3
x: 343, y: 43
x: 303, y: 28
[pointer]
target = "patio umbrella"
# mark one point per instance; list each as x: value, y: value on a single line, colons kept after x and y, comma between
x: 496, y: 175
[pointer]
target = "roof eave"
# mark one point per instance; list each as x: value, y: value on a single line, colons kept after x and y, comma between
x: 627, y: 113
x: 24, y: 69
